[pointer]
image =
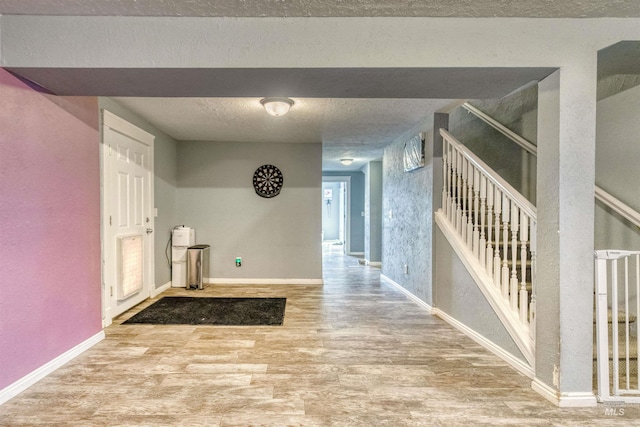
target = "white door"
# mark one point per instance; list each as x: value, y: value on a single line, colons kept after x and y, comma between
x: 127, y: 197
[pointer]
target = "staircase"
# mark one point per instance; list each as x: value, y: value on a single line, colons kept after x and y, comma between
x: 491, y: 225
x: 492, y: 228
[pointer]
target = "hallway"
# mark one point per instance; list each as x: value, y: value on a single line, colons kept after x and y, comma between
x: 351, y: 353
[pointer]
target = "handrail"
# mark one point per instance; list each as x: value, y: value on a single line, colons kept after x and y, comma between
x: 528, y: 146
x: 618, y: 206
x: 493, y: 176
x: 600, y: 194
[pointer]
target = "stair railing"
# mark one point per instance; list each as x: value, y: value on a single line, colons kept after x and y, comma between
x: 618, y: 206
x: 630, y: 391
x: 496, y: 223
x: 600, y: 194
x: 618, y: 385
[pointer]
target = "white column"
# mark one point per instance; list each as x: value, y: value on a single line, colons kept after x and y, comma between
x: 566, y: 173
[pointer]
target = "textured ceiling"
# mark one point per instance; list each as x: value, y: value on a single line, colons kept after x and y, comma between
x: 353, y: 128
x: 353, y: 112
x: 354, y: 125
x: 333, y: 8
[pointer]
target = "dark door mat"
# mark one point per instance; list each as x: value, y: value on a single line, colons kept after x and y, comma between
x: 212, y: 311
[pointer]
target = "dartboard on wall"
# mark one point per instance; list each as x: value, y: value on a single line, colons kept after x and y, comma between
x: 267, y: 181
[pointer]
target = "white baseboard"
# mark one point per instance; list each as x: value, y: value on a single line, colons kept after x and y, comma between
x: 411, y: 296
x: 518, y: 364
x: 157, y: 291
x: 356, y: 253
x: 249, y: 281
x: 30, y: 379
x: 564, y: 400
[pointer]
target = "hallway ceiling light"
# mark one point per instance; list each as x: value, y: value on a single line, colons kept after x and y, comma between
x: 346, y: 162
x: 277, y: 106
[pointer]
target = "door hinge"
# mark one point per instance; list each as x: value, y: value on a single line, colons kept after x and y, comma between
x: 109, y: 149
x: 111, y: 291
x: 109, y: 219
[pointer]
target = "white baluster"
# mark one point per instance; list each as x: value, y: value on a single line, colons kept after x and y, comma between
x: 470, y: 176
x: 496, y: 255
x: 524, y: 294
x: 476, y: 213
x: 454, y: 185
x: 446, y: 185
x: 483, y: 221
x: 465, y: 199
x: 513, y: 282
x: 637, y: 311
x: 459, y: 194
x: 504, y: 280
x: 489, y: 263
x: 532, y: 305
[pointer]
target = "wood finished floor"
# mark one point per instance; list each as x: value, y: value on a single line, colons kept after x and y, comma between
x: 350, y: 353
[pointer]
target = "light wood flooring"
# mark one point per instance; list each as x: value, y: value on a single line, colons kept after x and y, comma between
x: 350, y: 353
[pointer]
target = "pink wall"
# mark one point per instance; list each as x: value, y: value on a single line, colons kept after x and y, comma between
x: 49, y: 226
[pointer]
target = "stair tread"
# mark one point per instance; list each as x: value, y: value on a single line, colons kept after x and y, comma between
x: 621, y: 317
x: 633, y: 349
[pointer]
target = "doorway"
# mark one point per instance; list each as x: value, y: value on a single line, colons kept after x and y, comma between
x: 127, y: 219
x: 336, y: 213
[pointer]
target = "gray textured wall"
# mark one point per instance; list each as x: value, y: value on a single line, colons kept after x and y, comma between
x: 617, y: 166
x: 373, y: 211
x: 357, y: 208
x: 617, y: 156
x: 278, y: 238
x: 517, y: 111
x: 455, y: 288
x: 165, y: 150
x: 407, y: 235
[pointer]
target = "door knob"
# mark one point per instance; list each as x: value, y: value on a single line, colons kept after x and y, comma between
x: 149, y: 230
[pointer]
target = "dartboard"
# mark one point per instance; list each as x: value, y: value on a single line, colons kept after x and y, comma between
x: 268, y: 180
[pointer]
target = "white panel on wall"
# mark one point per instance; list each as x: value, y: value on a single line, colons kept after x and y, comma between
x: 129, y: 266
x: 123, y: 196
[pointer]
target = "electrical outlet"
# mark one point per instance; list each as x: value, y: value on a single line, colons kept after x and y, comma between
x: 406, y: 269
x: 238, y: 261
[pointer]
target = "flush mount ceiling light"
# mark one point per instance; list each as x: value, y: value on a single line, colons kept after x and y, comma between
x: 346, y: 162
x: 276, y: 106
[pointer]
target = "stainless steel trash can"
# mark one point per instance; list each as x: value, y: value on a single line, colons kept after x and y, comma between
x: 197, y: 266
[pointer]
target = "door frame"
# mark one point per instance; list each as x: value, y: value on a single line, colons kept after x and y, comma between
x: 347, y: 220
x: 108, y: 261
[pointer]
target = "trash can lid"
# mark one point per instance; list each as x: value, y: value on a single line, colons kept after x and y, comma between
x: 199, y: 247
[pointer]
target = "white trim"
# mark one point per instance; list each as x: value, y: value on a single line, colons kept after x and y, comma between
x: 509, y: 318
x: 373, y: 263
x: 249, y: 281
x: 157, y: 291
x: 122, y: 126
x: 411, y: 296
x: 119, y: 125
x: 507, y: 189
x: 528, y: 146
x: 356, y: 253
x: 626, y: 211
x: 518, y: 364
x: 564, y: 400
x: 30, y: 379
